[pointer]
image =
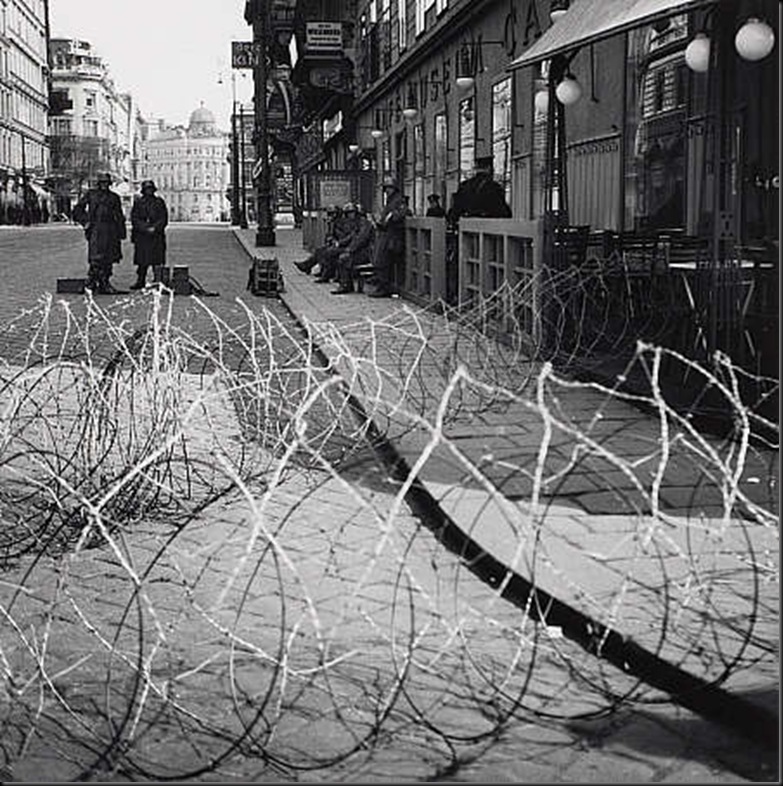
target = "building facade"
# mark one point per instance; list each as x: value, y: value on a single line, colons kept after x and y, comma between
x: 24, y: 149
x: 92, y: 125
x: 190, y: 167
x: 640, y: 129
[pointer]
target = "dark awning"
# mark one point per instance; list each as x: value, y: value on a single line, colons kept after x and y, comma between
x: 587, y: 21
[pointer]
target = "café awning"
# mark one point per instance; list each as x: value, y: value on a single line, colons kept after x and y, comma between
x: 588, y: 21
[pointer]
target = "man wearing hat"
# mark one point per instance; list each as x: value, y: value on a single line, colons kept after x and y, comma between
x: 99, y: 211
x: 389, y: 251
x: 435, y: 209
x: 149, y: 218
x: 480, y: 195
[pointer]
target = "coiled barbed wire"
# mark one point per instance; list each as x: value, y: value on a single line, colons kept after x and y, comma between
x: 204, y: 571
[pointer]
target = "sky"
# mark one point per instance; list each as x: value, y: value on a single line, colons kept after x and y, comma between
x: 170, y: 54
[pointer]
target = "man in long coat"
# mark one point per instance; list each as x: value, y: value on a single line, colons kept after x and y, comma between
x: 99, y: 211
x: 149, y: 218
x: 389, y: 250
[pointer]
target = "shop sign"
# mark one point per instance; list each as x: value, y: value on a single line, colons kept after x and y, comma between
x: 324, y: 36
x: 334, y: 192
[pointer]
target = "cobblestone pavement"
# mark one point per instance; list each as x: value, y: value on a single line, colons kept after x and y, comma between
x: 353, y: 595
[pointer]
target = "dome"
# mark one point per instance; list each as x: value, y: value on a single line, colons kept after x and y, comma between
x: 202, y: 122
x: 201, y: 115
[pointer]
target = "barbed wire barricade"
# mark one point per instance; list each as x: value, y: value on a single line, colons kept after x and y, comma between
x: 271, y: 551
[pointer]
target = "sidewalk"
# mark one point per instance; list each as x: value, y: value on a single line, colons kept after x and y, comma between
x: 564, y: 481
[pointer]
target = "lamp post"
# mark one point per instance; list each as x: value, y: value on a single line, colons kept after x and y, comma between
x: 235, y: 154
x: 265, y: 234
x: 25, y: 201
x: 241, y: 200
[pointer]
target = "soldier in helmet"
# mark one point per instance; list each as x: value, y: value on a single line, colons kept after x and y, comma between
x: 99, y: 211
x: 149, y: 218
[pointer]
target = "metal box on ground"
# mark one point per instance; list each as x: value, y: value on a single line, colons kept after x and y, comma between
x: 180, y: 280
x: 264, y: 277
x: 71, y: 286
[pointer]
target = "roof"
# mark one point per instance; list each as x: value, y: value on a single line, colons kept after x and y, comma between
x: 587, y: 21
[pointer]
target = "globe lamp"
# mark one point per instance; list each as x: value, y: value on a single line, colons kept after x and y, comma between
x: 754, y: 40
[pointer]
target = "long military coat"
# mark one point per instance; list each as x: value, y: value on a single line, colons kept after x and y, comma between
x: 149, y: 218
x: 100, y: 213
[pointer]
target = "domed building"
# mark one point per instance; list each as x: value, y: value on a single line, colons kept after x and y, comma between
x: 189, y: 166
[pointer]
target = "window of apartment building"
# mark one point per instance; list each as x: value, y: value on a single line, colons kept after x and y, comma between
x: 419, y: 168
x: 467, y: 137
x: 61, y: 126
x: 422, y: 6
x: 402, y: 24
x: 90, y: 127
x: 90, y: 100
x: 501, y: 134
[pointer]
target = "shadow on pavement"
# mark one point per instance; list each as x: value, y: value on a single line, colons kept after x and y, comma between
x: 670, y: 733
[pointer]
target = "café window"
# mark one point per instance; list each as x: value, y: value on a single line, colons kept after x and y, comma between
x: 419, y: 167
x: 440, y: 153
x: 501, y: 134
x: 656, y: 112
x: 467, y: 137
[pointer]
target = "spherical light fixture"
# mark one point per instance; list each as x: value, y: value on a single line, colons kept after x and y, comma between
x: 465, y: 82
x: 754, y: 40
x: 541, y: 102
x: 410, y: 113
x: 557, y: 9
x: 697, y: 53
x: 569, y: 91
x: 376, y: 133
x: 353, y: 148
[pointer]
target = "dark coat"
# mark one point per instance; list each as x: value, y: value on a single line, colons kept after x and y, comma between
x: 390, y: 237
x: 480, y: 196
x: 100, y: 213
x: 149, y: 218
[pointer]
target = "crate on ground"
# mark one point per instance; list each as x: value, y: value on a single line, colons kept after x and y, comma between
x: 265, y: 278
x: 71, y: 286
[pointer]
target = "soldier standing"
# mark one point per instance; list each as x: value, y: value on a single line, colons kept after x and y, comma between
x: 99, y: 211
x: 149, y: 218
x: 389, y: 239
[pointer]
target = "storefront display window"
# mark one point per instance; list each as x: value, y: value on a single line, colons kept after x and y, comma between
x: 501, y: 134
x: 656, y: 128
x: 467, y: 137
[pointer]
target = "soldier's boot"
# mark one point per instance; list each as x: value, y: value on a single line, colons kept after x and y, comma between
x: 141, y: 278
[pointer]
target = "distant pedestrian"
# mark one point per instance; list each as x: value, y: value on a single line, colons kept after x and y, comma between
x: 389, y: 252
x: 99, y: 211
x: 435, y: 209
x: 149, y: 219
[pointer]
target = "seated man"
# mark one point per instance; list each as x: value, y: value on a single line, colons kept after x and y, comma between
x: 325, y: 256
x: 357, y: 252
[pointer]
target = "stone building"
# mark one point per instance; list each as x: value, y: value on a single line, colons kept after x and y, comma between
x: 93, y: 125
x: 24, y: 152
x: 189, y: 166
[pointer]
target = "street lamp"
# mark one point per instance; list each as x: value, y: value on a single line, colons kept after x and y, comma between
x: 235, y: 221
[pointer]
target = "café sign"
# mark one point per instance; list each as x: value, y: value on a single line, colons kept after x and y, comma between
x: 324, y: 36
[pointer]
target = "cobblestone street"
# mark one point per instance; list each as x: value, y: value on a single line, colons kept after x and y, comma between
x: 303, y: 623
